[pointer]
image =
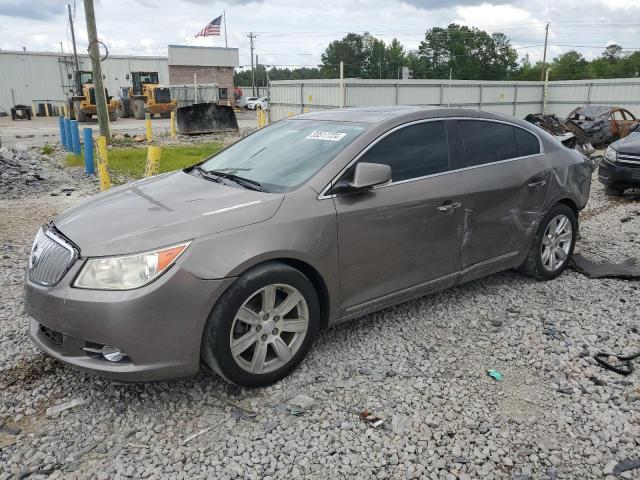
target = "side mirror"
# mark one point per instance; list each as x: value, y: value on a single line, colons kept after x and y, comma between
x: 368, y: 175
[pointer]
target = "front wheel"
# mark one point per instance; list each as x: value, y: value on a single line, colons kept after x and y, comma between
x: 263, y: 326
x: 553, y: 245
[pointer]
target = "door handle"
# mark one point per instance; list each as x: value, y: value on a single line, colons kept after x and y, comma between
x: 539, y: 184
x: 449, y: 207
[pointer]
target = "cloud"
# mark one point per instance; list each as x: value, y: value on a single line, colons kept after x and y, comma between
x: 438, y: 4
x: 33, y: 10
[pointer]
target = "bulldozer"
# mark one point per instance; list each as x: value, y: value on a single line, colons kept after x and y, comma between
x: 145, y: 96
x: 82, y: 105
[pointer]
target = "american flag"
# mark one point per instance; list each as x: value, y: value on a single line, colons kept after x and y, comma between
x: 213, y: 28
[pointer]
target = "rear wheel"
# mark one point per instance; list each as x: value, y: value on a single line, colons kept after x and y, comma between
x: 79, y: 114
x: 262, y: 326
x: 123, y: 108
x: 138, y: 109
x: 553, y: 245
x: 613, y: 191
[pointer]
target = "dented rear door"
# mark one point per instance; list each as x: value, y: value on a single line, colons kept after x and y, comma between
x: 506, y: 177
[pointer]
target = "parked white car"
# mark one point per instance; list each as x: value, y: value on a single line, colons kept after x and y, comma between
x: 262, y: 102
x: 250, y: 103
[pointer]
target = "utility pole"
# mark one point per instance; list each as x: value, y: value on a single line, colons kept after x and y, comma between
x: 94, y: 53
x: 253, y: 74
x: 77, y: 81
x: 544, y: 55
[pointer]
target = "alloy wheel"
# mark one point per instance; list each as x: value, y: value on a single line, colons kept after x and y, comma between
x: 269, y: 328
x: 556, y: 243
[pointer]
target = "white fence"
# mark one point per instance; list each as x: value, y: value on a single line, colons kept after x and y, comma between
x: 292, y: 97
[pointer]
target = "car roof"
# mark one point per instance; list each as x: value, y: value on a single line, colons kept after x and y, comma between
x: 377, y: 115
x: 594, y: 111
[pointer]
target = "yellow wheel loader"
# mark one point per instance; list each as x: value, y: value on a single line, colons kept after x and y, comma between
x: 145, y: 96
x: 82, y: 105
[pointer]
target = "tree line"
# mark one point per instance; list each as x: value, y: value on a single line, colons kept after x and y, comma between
x: 465, y: 53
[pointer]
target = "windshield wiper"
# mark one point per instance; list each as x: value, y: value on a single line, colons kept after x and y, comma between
x: 245, y: 182
x: 206, y: 174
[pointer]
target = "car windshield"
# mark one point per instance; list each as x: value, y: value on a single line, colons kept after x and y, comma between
x: 286, y: 154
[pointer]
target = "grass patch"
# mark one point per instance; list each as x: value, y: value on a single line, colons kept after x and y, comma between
x: 47, y: 149
x: 131, y: 161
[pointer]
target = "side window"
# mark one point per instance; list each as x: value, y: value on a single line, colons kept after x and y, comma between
x: 486, y: 142
x: 527, y: 143
x: 414, y: 151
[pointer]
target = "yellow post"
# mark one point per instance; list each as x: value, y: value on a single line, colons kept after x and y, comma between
x: 289, y: 114
x: 103, y: 162
x: 173, y: 124
x: 46, y: 109
x: 153, y: 161
x: 64, y: 110
x: 306, y: 110
x: 147, y: 119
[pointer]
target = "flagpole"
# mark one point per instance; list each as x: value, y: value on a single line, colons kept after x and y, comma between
x: 224, y: 15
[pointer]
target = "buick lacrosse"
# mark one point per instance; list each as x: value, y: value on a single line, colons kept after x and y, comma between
x: 241, y: 259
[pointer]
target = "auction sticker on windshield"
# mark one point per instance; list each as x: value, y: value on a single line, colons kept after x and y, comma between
x: 331, y: 136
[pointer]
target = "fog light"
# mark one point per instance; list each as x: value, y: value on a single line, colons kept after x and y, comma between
x: 112, y: 354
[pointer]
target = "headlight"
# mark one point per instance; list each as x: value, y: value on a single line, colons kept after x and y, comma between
x: 127, y: 271
x: 610, y: 154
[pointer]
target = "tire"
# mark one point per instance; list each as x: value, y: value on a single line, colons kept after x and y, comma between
x: 79, y: 114
x: 248, y: 295
x: 123, y: 108
x: 138, y: 109
x: 613, y: 191
x: 71, y: 109
x: 113, y: 116
x: 541, y: 268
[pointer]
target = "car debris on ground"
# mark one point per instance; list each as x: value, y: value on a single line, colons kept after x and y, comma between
x: 628, y: 269
x: 55, y: 410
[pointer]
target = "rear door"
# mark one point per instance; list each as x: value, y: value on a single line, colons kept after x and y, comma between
x: 407, y: 233
x: 506, y: 177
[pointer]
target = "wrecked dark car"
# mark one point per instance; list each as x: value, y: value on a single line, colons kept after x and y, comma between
x: 569, y: 133
x: 603, y: 123
x: 620, y: 167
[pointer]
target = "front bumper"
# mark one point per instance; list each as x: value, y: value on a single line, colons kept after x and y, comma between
x: 618, y: 175
x: 158, y: 326
x: 161, y: 107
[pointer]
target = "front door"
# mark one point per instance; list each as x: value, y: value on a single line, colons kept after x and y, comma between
x: 408, y: 233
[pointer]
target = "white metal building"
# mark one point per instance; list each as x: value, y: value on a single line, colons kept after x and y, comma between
x: 46, y: 77
x: 32, y: 78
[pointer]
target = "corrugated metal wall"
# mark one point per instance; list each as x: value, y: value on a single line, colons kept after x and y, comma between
x: 35, y: 77
x: 291, y: 97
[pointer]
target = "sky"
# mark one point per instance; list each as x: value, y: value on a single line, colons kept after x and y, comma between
x: 295, y: 33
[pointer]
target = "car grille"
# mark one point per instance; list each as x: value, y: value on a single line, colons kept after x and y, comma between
x: 51, y: 258
x: 630, y: 158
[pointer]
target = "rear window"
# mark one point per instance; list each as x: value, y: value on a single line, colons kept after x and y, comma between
x: 488, y: 142
x: 527, y: 143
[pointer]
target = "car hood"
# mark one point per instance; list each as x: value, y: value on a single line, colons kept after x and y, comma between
x: 629, y: 144
x: 160, y: 211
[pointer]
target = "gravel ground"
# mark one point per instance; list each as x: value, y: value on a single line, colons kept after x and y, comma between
x: 421, y: 367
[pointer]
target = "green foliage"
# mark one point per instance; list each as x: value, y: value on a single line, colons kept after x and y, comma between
x: 466, y: 52
x: 47, y: 149
x: 131, y: 161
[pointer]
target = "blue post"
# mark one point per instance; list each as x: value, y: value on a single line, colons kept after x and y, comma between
x: 75, y: 137
x: 88, y: 151
x: 63, y: 133
x: 67, y: 134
